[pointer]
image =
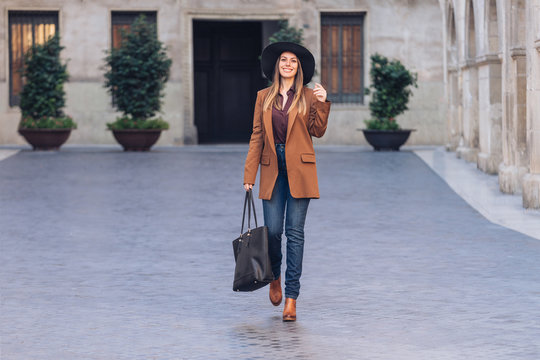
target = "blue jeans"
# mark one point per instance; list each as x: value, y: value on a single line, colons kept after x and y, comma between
x: 274, y: 214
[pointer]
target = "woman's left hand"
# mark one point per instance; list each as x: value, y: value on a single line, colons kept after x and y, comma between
x: 319, y: 92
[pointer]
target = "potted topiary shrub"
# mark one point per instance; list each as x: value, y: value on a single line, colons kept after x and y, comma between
x: 136, y: 74
x: 287, y: 33
x: 43, y: 123
x: 391, y: 83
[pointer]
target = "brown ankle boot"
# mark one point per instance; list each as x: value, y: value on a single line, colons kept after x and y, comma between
x: 275, y: 292
x: 289, y: 312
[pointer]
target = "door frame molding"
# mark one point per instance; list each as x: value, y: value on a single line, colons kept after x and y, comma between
x: 188, y: 87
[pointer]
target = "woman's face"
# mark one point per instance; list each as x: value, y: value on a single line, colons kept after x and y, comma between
x: 288, y: 65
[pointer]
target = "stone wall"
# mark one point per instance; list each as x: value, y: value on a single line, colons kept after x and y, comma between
x: 408, y: 31
x: 492, y: 69
x: 85, y: 28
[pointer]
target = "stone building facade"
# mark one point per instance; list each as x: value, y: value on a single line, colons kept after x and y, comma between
x: 214, y: 45
x: 492, y: 77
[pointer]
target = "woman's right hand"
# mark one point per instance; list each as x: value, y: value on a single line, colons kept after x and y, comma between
x: 248, y: 187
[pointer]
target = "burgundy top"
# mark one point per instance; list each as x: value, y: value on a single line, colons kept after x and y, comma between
x: 280, y: 118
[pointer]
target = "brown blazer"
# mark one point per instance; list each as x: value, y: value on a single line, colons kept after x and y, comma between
x: 299, y: 152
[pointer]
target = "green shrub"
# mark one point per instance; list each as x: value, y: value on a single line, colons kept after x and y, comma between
x: 127, y: 122
x: 136, y: 74
x: 391, y: 83
x: 287, y: 33
x: 48, y: 122
x: 375, y: 124
x: 43, y: 96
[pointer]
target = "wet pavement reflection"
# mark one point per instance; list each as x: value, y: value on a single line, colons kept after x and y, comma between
x: 112, y: 255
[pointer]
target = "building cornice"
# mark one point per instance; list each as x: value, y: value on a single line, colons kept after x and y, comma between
x: 468, y: 63
x: 452, y: 68
x: 488, y: 59
x: 518, y: 52
x: 255, y: 14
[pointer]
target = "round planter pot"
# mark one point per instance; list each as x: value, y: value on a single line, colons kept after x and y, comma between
x: 137, y: 139
x: 386, y: 139
x: 45, y: 139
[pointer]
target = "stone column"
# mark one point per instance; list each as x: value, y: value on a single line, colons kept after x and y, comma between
x: 514, y: 166
x: 489, y: 113
x: 468, y: 147
x: 454, y: 109
x: 531, y: 181
x: 453, y: 78
x: 515, y: 155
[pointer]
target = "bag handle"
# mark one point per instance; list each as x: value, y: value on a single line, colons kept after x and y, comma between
x: 248, y: 200
x: 253, y: 204
x: 244, y: 213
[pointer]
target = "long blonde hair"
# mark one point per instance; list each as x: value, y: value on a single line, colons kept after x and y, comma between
x: 272, y: 99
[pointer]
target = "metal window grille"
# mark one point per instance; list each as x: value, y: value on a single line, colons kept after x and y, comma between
x: 342, y: 48
x: 26, y: 29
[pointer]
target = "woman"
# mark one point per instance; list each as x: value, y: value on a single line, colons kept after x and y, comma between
x: 287, y: 114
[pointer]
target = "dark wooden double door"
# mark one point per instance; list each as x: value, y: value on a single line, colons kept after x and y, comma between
x: 227, y: 78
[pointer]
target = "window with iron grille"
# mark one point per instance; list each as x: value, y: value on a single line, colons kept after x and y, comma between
x: 26, y: 28
x: 342, y: 50
x: 122, y: 20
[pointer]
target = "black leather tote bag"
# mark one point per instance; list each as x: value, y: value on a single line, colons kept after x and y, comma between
x: 253, y: 269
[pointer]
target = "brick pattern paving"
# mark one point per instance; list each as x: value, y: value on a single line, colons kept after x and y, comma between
x: 110, y: 255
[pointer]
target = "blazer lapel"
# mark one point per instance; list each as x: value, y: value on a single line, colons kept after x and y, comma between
x: 292, y: 117
x: 267, y: 120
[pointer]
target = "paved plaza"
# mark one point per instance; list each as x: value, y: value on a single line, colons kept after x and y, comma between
x: 110, y: 255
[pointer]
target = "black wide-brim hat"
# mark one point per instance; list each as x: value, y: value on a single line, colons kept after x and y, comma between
x: 272, y: 52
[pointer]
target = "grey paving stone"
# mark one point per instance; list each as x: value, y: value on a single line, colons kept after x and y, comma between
x: 112, y: 255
